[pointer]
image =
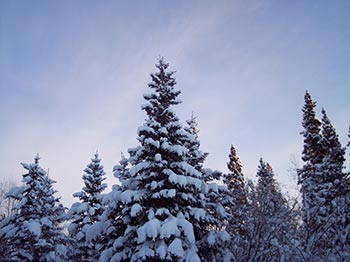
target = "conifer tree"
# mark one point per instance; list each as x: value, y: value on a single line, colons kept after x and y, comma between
x: 235, y: 179
x: 237, y: 206
x: 160, y: 206
x: 323, y: 185
x: 334, y: 153
x: 312, y: 152
x: 310, y: 175
x: 270, y: 221
x: 85, y: 213
x: 196, y: 157
x: 334, y: 190
x: 216, y: 197
x: 33, y: 232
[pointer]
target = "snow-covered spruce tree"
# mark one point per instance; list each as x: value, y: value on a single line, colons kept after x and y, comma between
x: 310, y: 175
x: 234, y: 179
x: 196, y: 157
x: 87, y: 212
x: 270, y: 221
x: 33, y: 232
x: 111, y: 226
x: 334, y: 153
x: 332, y: 211
x: 323, y: 186
x: 216, y: 197
x: 237, y: 209
x: 159, y: 210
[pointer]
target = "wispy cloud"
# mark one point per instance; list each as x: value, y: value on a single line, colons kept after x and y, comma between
x: 73, y: 74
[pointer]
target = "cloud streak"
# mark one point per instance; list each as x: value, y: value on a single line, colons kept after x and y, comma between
x: 73, y: 75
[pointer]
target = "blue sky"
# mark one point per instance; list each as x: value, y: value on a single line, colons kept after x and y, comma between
x: 72, y: 75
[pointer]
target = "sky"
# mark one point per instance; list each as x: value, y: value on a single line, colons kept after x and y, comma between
x: 72, y: 75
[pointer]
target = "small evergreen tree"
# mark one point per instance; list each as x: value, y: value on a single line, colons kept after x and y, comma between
x: 271, y: 223
x: 85, y: 213
x: 216, y: 197
x: 33, y: 232
x: 196, y: 157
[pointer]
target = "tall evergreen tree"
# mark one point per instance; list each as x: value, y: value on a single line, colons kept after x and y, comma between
x: 237, y: 206
x: 323, y: 184
x: 310, y: 175
x: 334, y: 153
x: 234, y: 179
x: 85, y: 213
x: 161, y: 202
x: 33, y: 232
x: 312, y: 152
x: 335, y: 189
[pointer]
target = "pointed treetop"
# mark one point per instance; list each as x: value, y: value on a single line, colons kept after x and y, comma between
x: 161, y: 63
x: 265, y: 171
x: 193, y: 117
x: 96, y: 158
x: 37, y: 158
x: 325, y: 118
x: 312, y: 128
x: 266, y: 178
x: 309, y: 105
x: 122, y: 155
x: 235, y: 178
x: 192, y: 124
x: 307, y: 93
x: 234, y: 164
x: 163, y: 95
x: 328, y: 131
x: 162, y: 80
x: 334, y: 153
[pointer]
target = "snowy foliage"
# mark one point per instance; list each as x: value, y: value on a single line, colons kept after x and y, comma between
x: 196, y: 157
x: 235, y: 182
x: 160, y: 211
x: 6, y: 204
x: 85, y: 213
x: 166, y: 206
x: 269, y: 222
x: 325, y: 189
x: 33, y: 232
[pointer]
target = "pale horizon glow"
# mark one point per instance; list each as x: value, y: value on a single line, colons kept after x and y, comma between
x: 72, y: 75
